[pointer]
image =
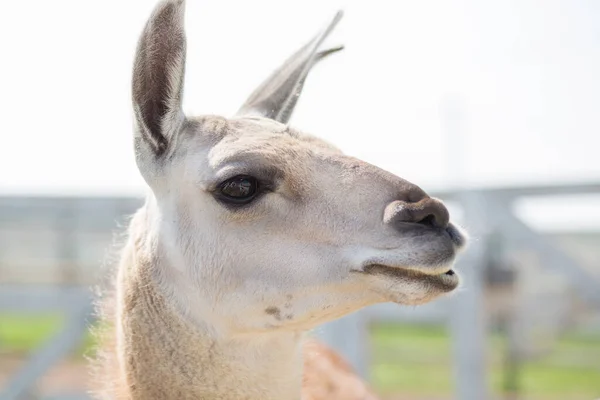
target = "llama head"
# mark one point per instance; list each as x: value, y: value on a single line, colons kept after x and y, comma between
x: 262, y: 227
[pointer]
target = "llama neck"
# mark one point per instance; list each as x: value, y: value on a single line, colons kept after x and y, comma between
x: 164, y: 355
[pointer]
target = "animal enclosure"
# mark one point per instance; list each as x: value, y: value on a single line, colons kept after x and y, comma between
x: 254, y: 232
x: 401, y: 351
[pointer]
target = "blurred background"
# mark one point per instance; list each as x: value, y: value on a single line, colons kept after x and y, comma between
x: 492, y: 106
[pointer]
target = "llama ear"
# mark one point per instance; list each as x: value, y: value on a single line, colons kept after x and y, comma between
x: 158, y: 76
x: 277, y: 96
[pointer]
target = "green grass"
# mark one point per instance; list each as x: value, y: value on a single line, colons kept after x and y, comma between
x: 21, y: 334
x: 406, y: 359
x: 418, y: 360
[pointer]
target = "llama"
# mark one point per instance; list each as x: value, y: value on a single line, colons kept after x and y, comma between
x: 252, y: 234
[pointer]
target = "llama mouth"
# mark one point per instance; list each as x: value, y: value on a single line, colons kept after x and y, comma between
x: 445, y: 281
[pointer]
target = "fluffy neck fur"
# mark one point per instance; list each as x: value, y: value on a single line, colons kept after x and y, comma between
x: 158, y: 353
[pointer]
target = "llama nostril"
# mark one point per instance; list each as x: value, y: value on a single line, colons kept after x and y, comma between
x: 435, y: 213
x: 428, y: 220
x: 429, y: 212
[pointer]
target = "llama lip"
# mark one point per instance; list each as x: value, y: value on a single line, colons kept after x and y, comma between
x: 445, y: 281
x: 458, y: 238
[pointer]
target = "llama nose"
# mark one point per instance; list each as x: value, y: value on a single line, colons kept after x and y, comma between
x: 427, y: 211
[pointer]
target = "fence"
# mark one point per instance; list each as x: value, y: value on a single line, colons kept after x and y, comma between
x: 490, y: 219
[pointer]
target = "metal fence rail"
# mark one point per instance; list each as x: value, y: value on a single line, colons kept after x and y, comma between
x: 75, y: 303
x: 488, y: 210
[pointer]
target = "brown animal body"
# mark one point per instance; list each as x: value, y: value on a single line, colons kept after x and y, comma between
x: 149, y: 352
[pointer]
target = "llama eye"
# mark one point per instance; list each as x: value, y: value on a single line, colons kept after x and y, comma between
x: 239, y: 190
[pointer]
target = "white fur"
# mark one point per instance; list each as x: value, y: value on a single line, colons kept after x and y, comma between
x: 237, y: 287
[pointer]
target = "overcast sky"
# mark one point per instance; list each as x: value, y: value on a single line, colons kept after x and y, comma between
x: 525, y: 75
